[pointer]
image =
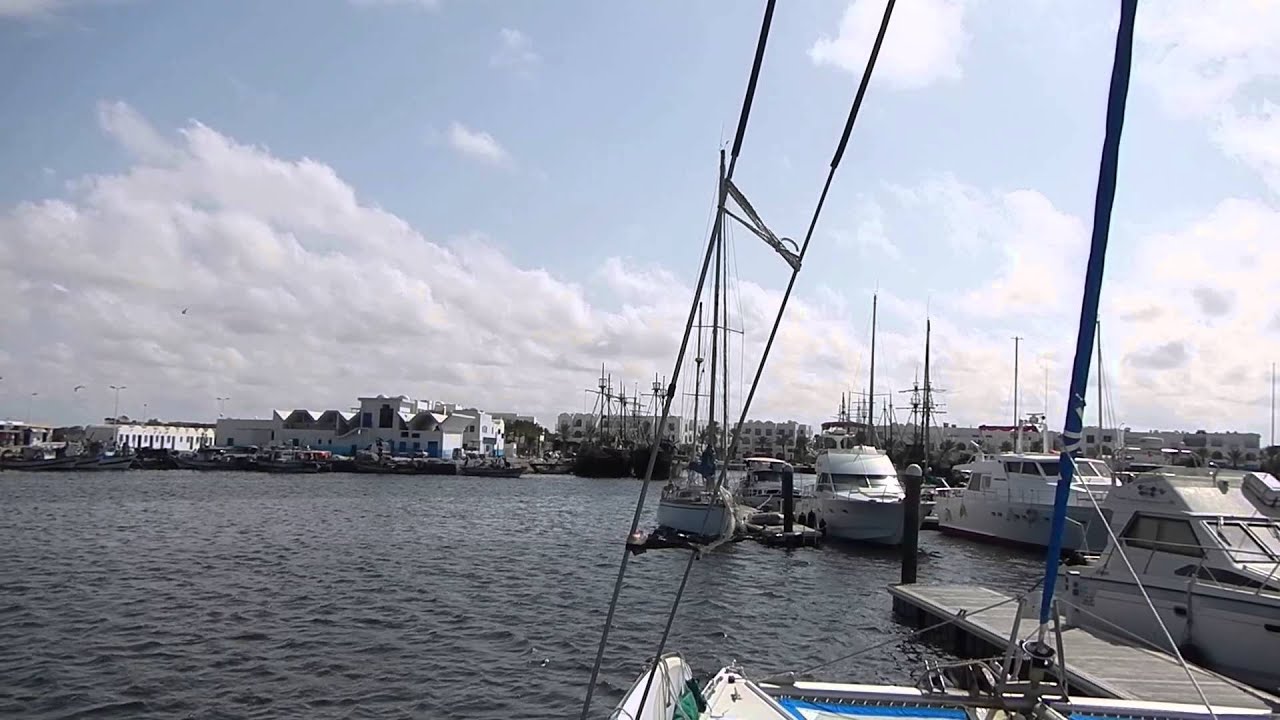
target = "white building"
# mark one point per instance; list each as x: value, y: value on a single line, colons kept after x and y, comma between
x: 15, y: 433
x: 396, y: 424
x: 1226, y: 448
x: 118, y: 434
x: 761, y: 438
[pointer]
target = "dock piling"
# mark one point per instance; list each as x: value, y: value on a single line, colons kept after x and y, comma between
x: 911, y: 523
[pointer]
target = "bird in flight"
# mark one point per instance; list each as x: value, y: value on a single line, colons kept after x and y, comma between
x: 184, y: 310
x: 77, y: 388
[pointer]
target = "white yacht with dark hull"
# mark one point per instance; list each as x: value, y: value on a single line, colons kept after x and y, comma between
x: 1009, y: 499
x: 1206, y: 547
x: 857, y: 496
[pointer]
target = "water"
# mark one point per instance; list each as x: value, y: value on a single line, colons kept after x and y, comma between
x: 208, y: 595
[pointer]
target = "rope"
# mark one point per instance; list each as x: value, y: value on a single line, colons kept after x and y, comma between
x: 684, y: 345
x: 909, y: 636
x: 1115, y: 543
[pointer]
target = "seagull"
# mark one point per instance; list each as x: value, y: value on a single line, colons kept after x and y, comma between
x: 77, y: 388
x: 184, y: 310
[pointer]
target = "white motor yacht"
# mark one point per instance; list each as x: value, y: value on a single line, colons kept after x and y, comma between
x: 1205, y: 545
x: 857, y: 496
x: 1009, y: 499
x: 761, y: 489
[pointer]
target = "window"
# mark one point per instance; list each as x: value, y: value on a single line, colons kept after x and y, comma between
x: 471, y: 428
x: 385, y: 417
x: 1106, y: 437
x: 231, y: 442
x: 404, y: 434
x: 1050, y: 468
x: 1162, y: 535
x: 1249, y: 542
x: 416, y: 435
x: 577, y: 423
x: 1089, y: 439
x: 769, y: 432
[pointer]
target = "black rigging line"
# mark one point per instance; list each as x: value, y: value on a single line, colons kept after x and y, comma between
x: 684, y: 344
x: 795, y: 272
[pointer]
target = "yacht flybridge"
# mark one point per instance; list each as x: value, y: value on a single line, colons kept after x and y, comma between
x: 1205, y: 545
x: 1009, y: 498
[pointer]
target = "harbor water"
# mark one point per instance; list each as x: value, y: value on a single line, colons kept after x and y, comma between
x: 224, y: 595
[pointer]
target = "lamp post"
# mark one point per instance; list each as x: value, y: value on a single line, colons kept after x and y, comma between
x: 221, y: 406
x: 115, y: 414
x: 30, y: 399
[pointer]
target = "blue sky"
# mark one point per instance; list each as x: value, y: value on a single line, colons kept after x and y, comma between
x: 571, y: 146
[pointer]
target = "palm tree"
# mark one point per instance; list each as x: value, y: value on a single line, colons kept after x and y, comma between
x: 1235, y: 455
x: 945, y: 450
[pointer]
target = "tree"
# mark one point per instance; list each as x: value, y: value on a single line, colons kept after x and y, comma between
x: 1006, y: 446
x: 1106, y: 450
x: 1217, y: 455
x: 524, y: 434
x: 1235, y: 455
x: 946, y: 450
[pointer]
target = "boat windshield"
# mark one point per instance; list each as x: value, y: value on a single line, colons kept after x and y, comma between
x: 1250, y: 542
x: 1087, y: 471
x: 766, y: 476
x: 849, y: 481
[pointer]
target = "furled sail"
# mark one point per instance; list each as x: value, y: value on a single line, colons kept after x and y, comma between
x: 757, y: 226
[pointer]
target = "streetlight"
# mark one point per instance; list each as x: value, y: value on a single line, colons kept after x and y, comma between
x: 29, y: 400
x: 221, y: 407
x: 115, y: 415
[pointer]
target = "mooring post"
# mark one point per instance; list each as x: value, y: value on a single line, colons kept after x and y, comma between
x: 911, y: 523
x: 788, y: 501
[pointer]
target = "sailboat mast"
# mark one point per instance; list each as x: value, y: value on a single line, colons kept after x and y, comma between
x: 871, y: 383
x: 1097, y: 326
x: 697, y: 384
x: 1273, y: 404
x: 715, y: 312
x: 928, y: 399
x: 1103, y: 204
x: 1017, y: 422
x: 724, y: 354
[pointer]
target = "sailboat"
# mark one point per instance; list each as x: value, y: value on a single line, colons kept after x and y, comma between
x: 700, y: 505
x: 667, y: 691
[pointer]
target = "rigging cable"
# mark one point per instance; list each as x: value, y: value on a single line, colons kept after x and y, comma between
x: 813, y: 223
x: 743, y: 116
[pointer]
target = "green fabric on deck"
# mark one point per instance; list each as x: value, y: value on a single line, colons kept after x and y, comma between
x: 687, y: 708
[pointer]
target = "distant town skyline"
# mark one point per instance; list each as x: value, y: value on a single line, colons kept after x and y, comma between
x: 482, y: 203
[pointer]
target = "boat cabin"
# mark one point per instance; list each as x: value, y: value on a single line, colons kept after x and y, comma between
x: 1218, y: 527
x: 1033, y: 477
x: 764, y: 479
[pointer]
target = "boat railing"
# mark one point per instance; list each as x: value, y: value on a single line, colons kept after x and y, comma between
x: 1197, y: 575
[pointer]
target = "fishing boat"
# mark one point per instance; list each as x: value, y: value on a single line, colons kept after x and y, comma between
x: 38, y: 458
x: 294, y: 461
x: 491, y: 469
x: 101, y: 463
x: 1204, y: 547
x: 1018, y: 683
x: 551, y: 467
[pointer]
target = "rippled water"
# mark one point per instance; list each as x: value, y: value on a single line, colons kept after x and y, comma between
x: 179, y: 594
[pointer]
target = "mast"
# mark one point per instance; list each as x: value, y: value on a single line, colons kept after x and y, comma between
x: 697, y: 383
x: 924, y: 416
x: 871, y: 384
x: 1273, y: 404
x: 724, y: 354
x: 1017, y: 423
x: 1097, y: 325
x: 715, y: 307
x: 1103, y: 203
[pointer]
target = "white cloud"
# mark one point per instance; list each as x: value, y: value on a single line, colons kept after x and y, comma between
x: 923, y: 44
x: 515, y: 51
x: 1254, y: 139
x: 298, y: 294
x: 477, y: 144
x: 870, y: 237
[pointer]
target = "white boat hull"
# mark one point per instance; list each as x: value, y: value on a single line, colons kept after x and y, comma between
x: 878, y: 522
x: 1019, y: 523
x: 1234, y: 632
x: 701, y: 518
x: 666, y: 683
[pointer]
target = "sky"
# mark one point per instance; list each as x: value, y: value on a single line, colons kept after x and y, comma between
x: 294, y: 204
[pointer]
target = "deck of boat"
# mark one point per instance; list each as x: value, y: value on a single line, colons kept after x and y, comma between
x: 1095, y: 664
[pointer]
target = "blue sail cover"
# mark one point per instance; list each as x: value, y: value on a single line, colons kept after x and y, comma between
x: 1103, y: 202
x: 707, y: 463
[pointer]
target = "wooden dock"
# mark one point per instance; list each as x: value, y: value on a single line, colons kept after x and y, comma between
x: 1095, y: 665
